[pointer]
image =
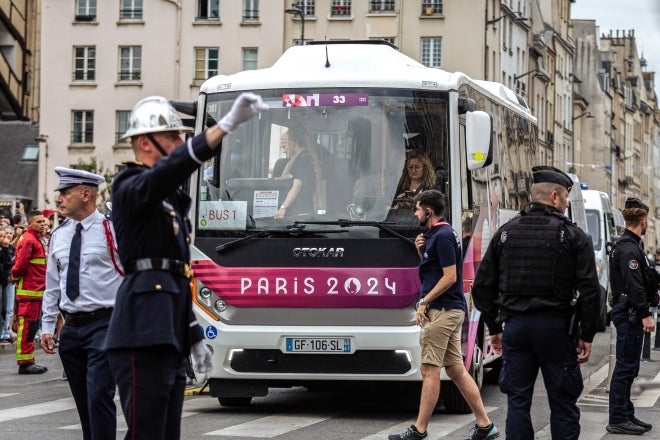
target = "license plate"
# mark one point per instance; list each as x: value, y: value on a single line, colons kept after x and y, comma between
x: 318, y: 345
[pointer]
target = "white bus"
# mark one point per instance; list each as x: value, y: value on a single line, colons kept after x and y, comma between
x: 324, y: 297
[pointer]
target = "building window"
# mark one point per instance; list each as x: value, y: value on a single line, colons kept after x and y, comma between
x: 130, y: 10
x: 84, y: 63
x: 381, y: 6
x: 206, y: 63
x: 251, y: 10
x: 208, y: 9
x: 82, y: 128
x: 130, y: 63
x: 85, y: 10
x: 309, y: 7
x: 431, y: 51
x: 431, y: 7
x: 250, y: 58
x: 122, y: 124
x: 340, y: 8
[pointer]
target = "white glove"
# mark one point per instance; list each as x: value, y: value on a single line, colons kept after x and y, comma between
x: 245, y: 107
x: 201, y: 357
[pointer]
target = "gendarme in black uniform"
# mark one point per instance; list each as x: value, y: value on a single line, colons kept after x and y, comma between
x: 634, y: 289
x: 527, y: 279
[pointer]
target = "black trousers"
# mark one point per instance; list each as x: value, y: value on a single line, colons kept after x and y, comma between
x: 91, y: 382
x: 629, y: 341
x: 151, y: 382
x: 530, y: 343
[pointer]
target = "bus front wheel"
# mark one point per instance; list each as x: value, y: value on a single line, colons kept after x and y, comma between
x: 235, y: 401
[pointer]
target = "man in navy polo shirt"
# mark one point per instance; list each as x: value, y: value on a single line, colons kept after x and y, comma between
x: 440, y: 313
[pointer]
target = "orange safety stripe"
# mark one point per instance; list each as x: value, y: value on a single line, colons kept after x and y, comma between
x: 25, y: 292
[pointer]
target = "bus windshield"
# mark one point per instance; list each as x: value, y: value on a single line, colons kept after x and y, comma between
x: 324, y: 156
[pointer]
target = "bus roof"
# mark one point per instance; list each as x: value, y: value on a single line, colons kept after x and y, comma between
x: 354, y: 64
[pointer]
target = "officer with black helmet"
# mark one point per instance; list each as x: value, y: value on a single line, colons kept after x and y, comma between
x: 634, y: 289
x: 527, y: 291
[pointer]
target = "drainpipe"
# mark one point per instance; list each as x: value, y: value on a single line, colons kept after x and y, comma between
x: 177, y: 62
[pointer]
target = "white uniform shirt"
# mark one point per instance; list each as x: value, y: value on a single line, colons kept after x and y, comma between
x: 99, y: 279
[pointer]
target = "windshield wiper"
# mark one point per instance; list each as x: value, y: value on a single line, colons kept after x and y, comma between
x: 344, y: 223
x: 294, y: 230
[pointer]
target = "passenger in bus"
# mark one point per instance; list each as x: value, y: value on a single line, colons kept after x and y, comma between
x: 281, y: 162
x: 301, y: 168
x: 417, y: 175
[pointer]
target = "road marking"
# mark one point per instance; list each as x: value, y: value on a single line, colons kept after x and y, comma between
x: 7, y: 394
x: 648, y: 397
x: 270, y: 426
x: 440, y: 426
x: 594, y: 380
x: 37, y: 409
x: 586, y: 419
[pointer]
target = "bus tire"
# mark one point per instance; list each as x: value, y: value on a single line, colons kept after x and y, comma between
x: 453, y: 399
x: 235, y: 401
x: 451, y: 395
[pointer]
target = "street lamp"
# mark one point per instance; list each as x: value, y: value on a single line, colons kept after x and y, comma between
x: 587, y: 115
x: 517, y: 77
x: 515, y: 17
x: 298, y: 9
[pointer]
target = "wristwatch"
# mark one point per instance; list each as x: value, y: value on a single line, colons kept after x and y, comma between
x: 421, y: 302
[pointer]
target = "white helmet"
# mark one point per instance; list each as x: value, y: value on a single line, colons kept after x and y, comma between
x: 153, y: 114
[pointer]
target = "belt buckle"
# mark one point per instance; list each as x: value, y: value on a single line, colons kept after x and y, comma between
x: 187, y: 271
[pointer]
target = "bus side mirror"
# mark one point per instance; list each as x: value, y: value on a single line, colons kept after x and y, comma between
x: 478, y: 139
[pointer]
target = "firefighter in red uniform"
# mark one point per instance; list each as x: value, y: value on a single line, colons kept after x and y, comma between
x: 29, y: 273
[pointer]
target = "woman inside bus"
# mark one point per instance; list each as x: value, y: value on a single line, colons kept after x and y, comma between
x: 417, y: 176
x: 299, y: 167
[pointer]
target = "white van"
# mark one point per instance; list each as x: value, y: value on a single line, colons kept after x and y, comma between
x: 619, y: 222
x: 576, y: 210
x: 600, y: 225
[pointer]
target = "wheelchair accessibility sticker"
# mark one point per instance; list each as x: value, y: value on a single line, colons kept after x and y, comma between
x: 211, y: 332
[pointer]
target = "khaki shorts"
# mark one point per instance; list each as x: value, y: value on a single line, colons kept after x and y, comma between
x: 441, y: 338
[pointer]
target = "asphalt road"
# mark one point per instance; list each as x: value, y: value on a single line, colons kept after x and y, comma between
x: 40, y: 407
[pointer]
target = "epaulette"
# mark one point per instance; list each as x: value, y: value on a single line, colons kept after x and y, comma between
x: 133, y: 163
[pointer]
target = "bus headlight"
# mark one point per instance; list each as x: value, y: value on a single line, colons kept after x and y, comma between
x: 220, y: 305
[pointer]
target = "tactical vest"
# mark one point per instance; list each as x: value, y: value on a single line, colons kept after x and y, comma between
x: 534, y: 257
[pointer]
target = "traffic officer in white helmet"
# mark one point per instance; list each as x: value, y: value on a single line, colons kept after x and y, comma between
x: 153, y: 328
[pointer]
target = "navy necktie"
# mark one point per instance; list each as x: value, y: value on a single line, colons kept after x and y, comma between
x: 73, y: 272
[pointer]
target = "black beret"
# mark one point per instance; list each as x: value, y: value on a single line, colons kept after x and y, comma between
x: 544, y: 173
x: 632, y: 202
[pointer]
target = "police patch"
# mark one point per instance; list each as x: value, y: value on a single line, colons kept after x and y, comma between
x: 503, y: 236
x: 633, y: 264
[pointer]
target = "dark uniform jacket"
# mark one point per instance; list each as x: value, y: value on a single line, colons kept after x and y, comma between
x: 575, y: 268
x: 628, y: 264
x: 149, y: 213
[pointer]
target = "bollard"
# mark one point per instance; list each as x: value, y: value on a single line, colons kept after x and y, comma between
x: 646, y: 344
x: 612, y: 360
x: 646, y: 347
x: 656, y: 345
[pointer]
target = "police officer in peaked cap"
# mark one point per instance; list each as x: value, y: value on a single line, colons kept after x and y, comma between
x: 83, y: 286
x: 526, y: 288
x: 634, y: 289
x: 153, y: 329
